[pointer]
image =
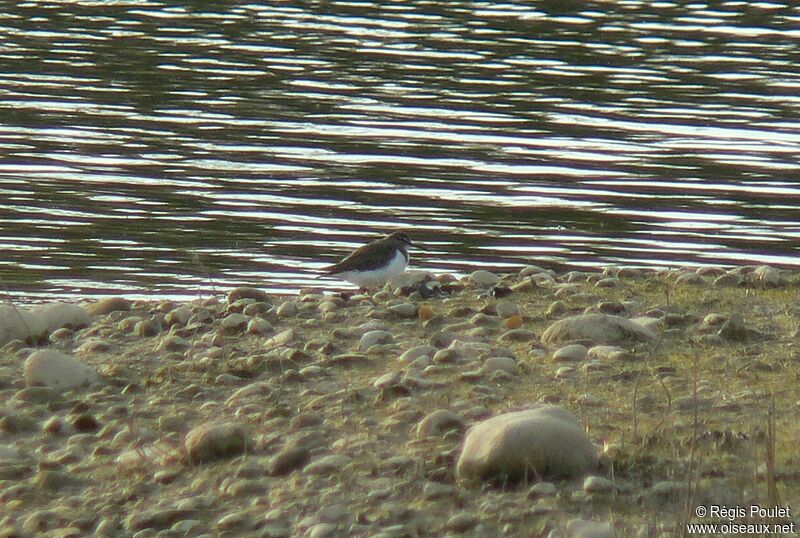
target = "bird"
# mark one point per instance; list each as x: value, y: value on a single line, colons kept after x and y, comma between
x: 372, y: 265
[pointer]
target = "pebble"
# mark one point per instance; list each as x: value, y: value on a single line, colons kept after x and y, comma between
x: 506, y: 309
x: 327, y: 464
x: 213, y: 441
x: 173, y: 343
x: 518, y: 335
x: 547, y: 439
x: 729, y: 280
x: 404, y: 310
x: 146, y: 328
x: 556, y: 309
x: 578, y: 528
x: 289, y: 459
x: 234, y: 323
x: 437, y: 490
x: 691, y: 279
x: 597, y: 484
x: 56, y: 480
x: 415, y: 353
x: 500, y: 364
x: 258, y: 326
x: 437, y: 423
x: 565, y: 372
x: 608, y: 283
x: 93, y: 346
x: 530, y: 270
x: 734, y: 329
x: 156, y: 519
x: 542, y: 489
x: 287, y: 309
x: 462, y: 522
x: 608, y: 353
x: 57, y: 370
x: 484, y: 278
x: 375, y: 337
x: 571, y: 353
x: 767, y: 277
x: 178, y: 316
x: 246, y: 292
x: 107, y: 305
x: 281, y: 339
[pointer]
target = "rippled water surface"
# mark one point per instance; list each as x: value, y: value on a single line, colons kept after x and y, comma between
x: 149, y: 149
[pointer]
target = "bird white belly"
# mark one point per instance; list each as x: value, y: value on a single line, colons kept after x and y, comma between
x: 376, y: 278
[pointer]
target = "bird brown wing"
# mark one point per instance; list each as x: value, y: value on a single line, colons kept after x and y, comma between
x: 379, y: 252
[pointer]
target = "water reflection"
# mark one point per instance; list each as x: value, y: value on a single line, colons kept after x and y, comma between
x: 155, y: 149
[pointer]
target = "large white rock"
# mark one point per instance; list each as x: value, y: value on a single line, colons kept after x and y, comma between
x: 17, y: 323
x: 57, y: 315
x: 57, y: 370
x: 545, y: 441
x: 599, y: 328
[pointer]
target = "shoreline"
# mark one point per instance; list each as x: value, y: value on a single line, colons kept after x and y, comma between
x: 325, y: 415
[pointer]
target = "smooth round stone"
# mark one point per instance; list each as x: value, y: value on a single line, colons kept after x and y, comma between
x: 212, y: 441
x: 61, y: 334
x: 691, y: 279
x: 178, y: 316
x: 517, y: 335
x: 556, y: 309
x: 146, y: 328
x: 767, y: 276
x: 437, y: 490
x: 404, y: 310
x: 288, y: 460
x: 372, y: 338
x: 287, y: 309
x: 597, y: 484
x: 608, y: 353
x: 258, y: 326
x: 578, y: 528
x: 500, y: 364
x: 415, y: 353
x: 542, y: 489
x: 484, y: 278
x: 389, y: 379
x: 608, y: 283
x: 233, y: 323
x: 327, y: 307
x: 254, y: 309
x: 482, y: 320
x: 246, y: 292
x: 57, y: 370
x: 108, y: 305
x: 173, y: 343
x: 570, y: 353
x: 506, y: 309
x: 728, y: 280
x: 186, y: 527
x: 328, y: 464
x: 530, y: 270
x: 462, y: 522
x: 566, y: 372
x: 94, y: 345
x: 439, y: 422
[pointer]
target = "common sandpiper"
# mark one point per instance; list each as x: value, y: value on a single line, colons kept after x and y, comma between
x: 372, y: 265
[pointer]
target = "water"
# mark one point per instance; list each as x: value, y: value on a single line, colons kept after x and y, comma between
x: 152, y: 150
